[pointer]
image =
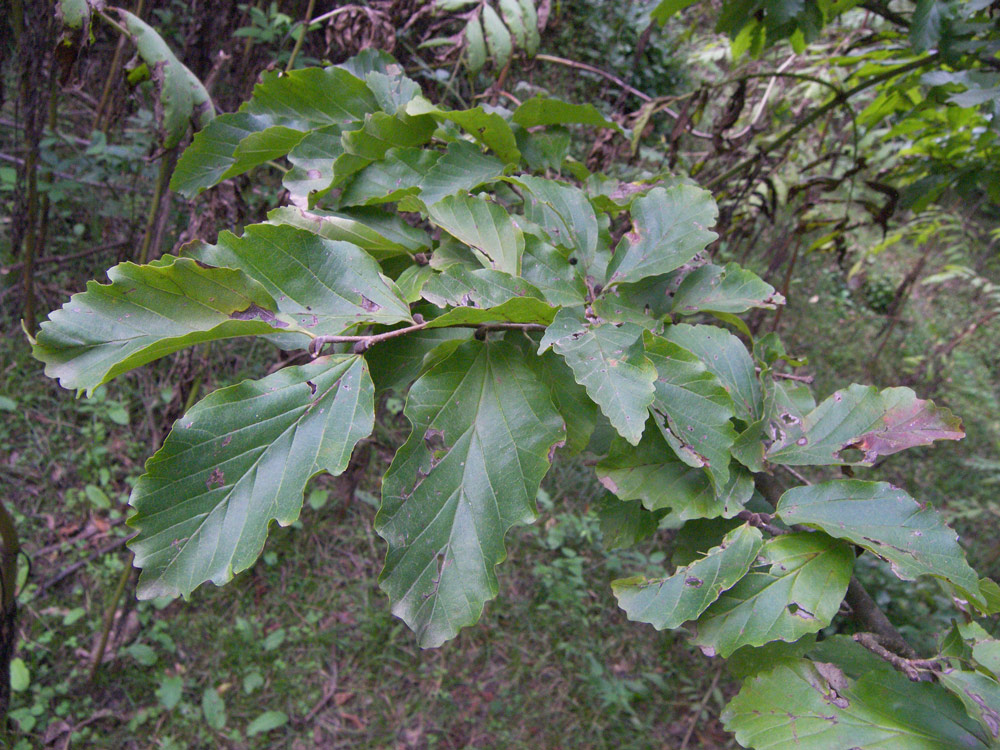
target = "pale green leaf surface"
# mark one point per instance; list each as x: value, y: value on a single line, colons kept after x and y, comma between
x: 327, y: 286
x: 148, y: 312
x: 519, y: 310
x: 795, y: 707
x: 552, y: 273
x: 382, y: 235
x: 564, y: 214
x: 608, y: 361
x: 459, y: 170
x: 885, y: 520
x: 625, y: 523
x: 483, y: 225
x: 652, y: 472
x: 669, y: 227
x: 725, y: 356
x: 691, y: 408
x: 183, y: 99
x: 489, y: 128
x: 542, y: 110
x: 484, y: 429
x: 461, y: 286
x: 239, y: 458
x: 670, y: 602
x: 301, y: 100
x: 795, y: 589
x: 401, y: 172
x: 497, y: 37
x: 979, y: 694
x: 731, y: 289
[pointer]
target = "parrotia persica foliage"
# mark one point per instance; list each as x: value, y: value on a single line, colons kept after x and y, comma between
x: 423, y: 252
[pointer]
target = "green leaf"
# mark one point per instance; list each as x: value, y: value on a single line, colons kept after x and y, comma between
x: 670, y: 602
x: 462, y: 168
x: 796, y: 588
x: 239, y: 458
x: 170, y: 691
x: 652, y: 473
x: 691, y: 408
x: 511, y: 12
x: 301, y: 100
x: 542, y: 110
x: 866, y: 419
x: 317, y: 159
x: 266, y: 722
x: 382, y: 131
x: 74, y: 14
x: 182, y: 99
x: 883, y: 519
x: 401, y: 172
x: 732, y: 289
x: 725, y: 356
x: 325, y: 286
x: 979, y: 694
x: 475, y: 44
x: 497, y: 37
x: 485, y: 226
x: 489, y: 128
x: 521, y: 310
x: 214, y: 708
x: 608, y: 361
x: 571, y: 400
x: 20, y: 677
x: 927, y: 23
x: 564, y: 214
x: 805, y: 706
x: 462, y: 286
x: 148, y: 312
x: 625, y: 523
x: 666, y: 8
x: 669, y: 227
x: 380, y: 234
x: 532, y: 37
x: 545, y: 149
x: 484, y: 430
x: 552, y: 273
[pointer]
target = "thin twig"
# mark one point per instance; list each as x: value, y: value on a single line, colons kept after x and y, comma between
x: 363, y: 343
x: 761, y: 521
x: 869, y: 615
x: 701, y: 709
x: 914, y: 669
x: 618, y: 82
x: 302, y: 35
x: 836, y: 101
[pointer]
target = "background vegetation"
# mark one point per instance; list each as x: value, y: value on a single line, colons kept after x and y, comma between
x: 877, y: 222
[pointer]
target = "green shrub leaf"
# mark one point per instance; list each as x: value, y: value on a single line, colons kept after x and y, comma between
x: 325, y: 286
x: 670, y: 602
x: 801, y: 705
x: 484, y: 430
x: 147, y: 312
x: 608, y: 361
x: 691, y: 408
x: 862, y: 418
x: 886, y: 521
x: 796, y: 588
x: 669, y: 227
x: 238, y: 459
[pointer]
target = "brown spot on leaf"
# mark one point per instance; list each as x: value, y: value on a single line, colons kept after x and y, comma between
x: 216, y: 479
x: 256, y: 312
x: 610, y: 484
x: 695, y: 583
x: 434, y: 440
x: 368, y: 305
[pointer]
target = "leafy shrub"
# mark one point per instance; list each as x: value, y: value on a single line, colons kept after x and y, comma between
x: 423, y: 254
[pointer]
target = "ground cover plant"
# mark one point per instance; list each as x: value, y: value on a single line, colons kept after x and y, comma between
x: 530, y: 310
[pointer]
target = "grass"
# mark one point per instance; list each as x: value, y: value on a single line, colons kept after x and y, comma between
x: 302, y: 648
